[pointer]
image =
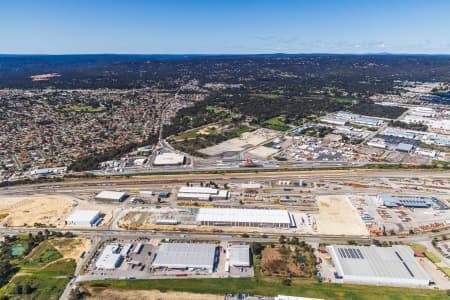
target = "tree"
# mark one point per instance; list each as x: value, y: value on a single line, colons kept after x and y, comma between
x: 19, y: 289
x: 28, y: 289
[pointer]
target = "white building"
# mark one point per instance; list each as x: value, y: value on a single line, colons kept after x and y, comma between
x: 84, y: 218
x: 111, y: 196
x: 169, y: 159
x: 334, y: 121
x: 392, y: 266
x: 239, y: 255
x: 270, y: 218
x: 183, y: 256
x: 201, y: 193
x: 110, y: 258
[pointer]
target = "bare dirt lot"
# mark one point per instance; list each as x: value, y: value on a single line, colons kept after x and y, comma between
x: 27, y: 210
x: 47, y: 210
x: 112, y: 294
x: 337, y: 216
x: 71, y: 247
x: 245, y: 141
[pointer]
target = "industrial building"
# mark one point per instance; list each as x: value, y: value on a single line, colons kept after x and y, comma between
x: 239, y: 255
x: 201, y: 193
x: 169, y: 159
x: 368, y: 121
x: 395, y: 201
x: 185, y: 256
x: 270, y: 218
x: 84, y: 218
x: 334, y: 121
x: 110, y: 258
x: 392, y: 266
x: 111, y: 196
x: 402, y: 147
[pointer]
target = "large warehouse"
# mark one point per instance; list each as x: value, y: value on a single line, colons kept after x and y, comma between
x: 110, y: 258
x: 394, y: 266
x: 270, y: 218
x: 184, y: 256
x: 111, y: 196
x: 239, y: 255
x: 394, y: 201
x: 201, y: 193
x: 84, y: 218
x: 169, y: 159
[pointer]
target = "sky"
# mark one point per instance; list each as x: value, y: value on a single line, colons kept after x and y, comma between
x: 224, y: 26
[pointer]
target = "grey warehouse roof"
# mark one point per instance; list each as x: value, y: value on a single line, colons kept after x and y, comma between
x: 394, y: 265
x: 185, y: 255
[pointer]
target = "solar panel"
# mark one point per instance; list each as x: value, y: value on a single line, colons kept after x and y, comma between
x: 360, y: 254
x: 341, y: 252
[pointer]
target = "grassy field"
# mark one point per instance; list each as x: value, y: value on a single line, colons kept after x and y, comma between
x: 82, y: 108
x: 41, y: 255
x: 43, y: 274
x: 277, y: 123
x: 44, y: 283
x: 272, y: 286
x: 268, y: 96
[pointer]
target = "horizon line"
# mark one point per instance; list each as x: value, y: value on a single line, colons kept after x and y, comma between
x: 224, y: 54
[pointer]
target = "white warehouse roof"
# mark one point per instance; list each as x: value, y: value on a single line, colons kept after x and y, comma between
x: 111, y: 195
x: 169, y: 158
x: 273, y: 216
x: 83, y: 217
x: 185, y: 256
x: 395, y: 266
x: 198, y: 190
x: 283, y: 297
x: 239, y: 255
x: 109, y: 258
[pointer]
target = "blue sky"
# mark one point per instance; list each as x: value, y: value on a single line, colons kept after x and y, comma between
x: 196, y: 26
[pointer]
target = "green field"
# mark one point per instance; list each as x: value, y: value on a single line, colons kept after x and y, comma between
x: 277, y: 123
x: 41, y: 255
x: 83, y: 108
x: 43, y: 274
x: 272, y: 286
x: 345, y: 100
x: 268, y: 96
x: 41, y: 283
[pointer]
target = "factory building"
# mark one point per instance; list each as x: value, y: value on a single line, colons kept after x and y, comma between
x: 84, y: 218
x: 201, y: 193
x: 111, y: 196
x: 334, y: 121
x: 110, y: 258
x: 395, y: 201
x: 402, y: 147
x: 392, y: 266
x: 169, y: 159
x: 270, y: 218
x: 399, y: 133
x: 368, y: 121
x: 239, y: 255
x: 186, y: 256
